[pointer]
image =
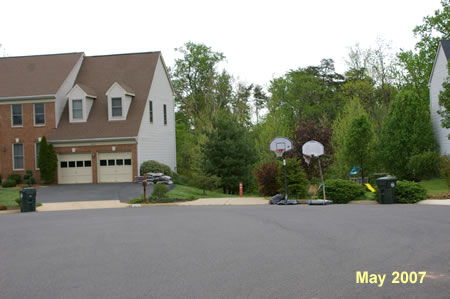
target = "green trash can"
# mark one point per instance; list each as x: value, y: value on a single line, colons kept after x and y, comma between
x: 386, y: 189
x: 28, y: 200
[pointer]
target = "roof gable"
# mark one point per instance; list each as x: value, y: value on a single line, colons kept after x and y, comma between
x: 133, y: 72
x: 35, y: 75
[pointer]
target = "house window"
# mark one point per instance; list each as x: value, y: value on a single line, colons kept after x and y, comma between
x: 165, y: 114
x: 39, y: 114
x: 77, y: 109
x: 150, y: 107
x: 16, y: 115
x: 18, y: 156
x: 37, y: 148
x: 116, y: 107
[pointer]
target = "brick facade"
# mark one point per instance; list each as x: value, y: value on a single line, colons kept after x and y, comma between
x: 94, y: 150
x: 28, y: 134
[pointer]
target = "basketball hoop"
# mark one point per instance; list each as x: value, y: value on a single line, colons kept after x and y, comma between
x: 280, y: 145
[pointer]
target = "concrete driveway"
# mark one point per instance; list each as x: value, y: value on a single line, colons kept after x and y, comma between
x: 90, y: 192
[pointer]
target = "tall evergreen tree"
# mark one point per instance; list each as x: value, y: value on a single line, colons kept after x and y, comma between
x: 406, y: 132
x: 47, y: 161
x: 229, y: 154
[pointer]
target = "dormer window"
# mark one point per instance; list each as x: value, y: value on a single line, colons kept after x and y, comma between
x: 77, y: 109
x: 116, y: 107
x: 81, y: 98
x: 119, y: 97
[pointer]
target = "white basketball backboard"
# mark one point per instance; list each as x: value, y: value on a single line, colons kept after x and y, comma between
x: 279, y: 145
x: 313, y: 148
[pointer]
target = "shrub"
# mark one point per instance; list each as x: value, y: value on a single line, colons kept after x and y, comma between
x: 28, y: 178
x: 0, y: 179
x: 343, y: 191
x: 47, y: 161
x: 296, y: 178
x: 159, y: 193
x: 423, y: 166
x: 155, y: 166
x: 445, y: 170
x: 267, y: 177
x: 2, y: 208
x: 15, y: 177
x: 409, y: 192
x: 9, y: 183
x: 204, y: 181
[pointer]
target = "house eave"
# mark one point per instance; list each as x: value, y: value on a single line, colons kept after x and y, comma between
x: 131, y: 138
x: 35, y: 97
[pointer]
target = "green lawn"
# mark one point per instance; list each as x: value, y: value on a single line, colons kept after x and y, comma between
x: 435, y: 186
x: 8, y: 197
x: 186, y: 192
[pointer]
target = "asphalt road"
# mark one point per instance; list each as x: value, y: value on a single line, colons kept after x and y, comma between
x: 225, y: 252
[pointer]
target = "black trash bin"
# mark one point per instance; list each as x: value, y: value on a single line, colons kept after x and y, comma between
x: 28, y: 200
x: 386, y: 189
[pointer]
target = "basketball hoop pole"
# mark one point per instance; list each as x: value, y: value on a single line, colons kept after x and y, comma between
x: 321, y: 177
x: 285, y: 180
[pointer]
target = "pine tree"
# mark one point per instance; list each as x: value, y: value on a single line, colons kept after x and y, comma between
x: 47, y: 161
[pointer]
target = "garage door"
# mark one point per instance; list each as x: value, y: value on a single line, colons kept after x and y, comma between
x: 115, y: 167
x: 74, y: 168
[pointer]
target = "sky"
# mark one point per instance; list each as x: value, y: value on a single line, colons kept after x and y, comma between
x: 261, y: 39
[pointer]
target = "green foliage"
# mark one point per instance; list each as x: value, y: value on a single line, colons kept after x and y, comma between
x: 409, y: 192
x: 204, y: 181
x: 307, y: 131
x: 297, y: 181
x: 47, y: 161
x: 267, y: 177
x: 155, y: 166
x: 424, y: 166
x: 306, y: 94
x: 445, y: 169
x: 9, y: 183
x: 343, y: 191
x: 406, y: 132
x: 229, y: 154
x: 341, y: 126
x: 417, y: 64
x: 17, y: 178
x: 28, y: 178
x: 159, y: 193
x: 357, y: 141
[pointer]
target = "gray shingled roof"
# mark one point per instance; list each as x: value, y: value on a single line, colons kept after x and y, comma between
x: 446, y: 47
x: 35, y: 75
x: 134, y: 72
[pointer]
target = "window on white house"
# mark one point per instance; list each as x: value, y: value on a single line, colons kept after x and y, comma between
x: 150, y: 107
x: 37, y: 148
x: 165, y: 114
x: 77, y: 109
x: 18, y: 156
x: 16, y: 115
x: 116, y: 107
x: 39, y: 114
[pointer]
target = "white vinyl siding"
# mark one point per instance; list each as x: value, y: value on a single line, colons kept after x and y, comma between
x: 18, y: 156
x: 156, y: 141
x: 440, y: 74
x: 16, y: 115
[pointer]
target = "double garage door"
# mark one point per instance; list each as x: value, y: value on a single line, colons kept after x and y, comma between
x: 111, y: 167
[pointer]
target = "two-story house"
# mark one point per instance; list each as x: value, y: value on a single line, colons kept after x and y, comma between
x: 105, y: 115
